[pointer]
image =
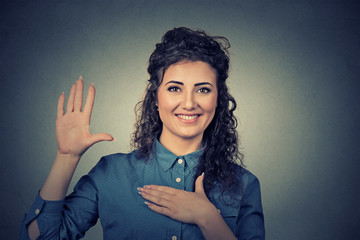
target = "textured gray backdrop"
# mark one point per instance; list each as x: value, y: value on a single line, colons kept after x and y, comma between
x: 295, y: 72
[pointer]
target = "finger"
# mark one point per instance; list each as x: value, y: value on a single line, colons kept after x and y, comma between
x: 199, y: 186
x: 100, y: 137
x: 164, y: 189
x: 60, y: 106
x: 70, y: 102
x: 79, y: 95
x: 158, y: 209
x: 144, y: 191
x: 164, y: 201
x: 89, y: 103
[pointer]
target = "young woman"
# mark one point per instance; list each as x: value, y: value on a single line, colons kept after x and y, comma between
x: 184, y: 180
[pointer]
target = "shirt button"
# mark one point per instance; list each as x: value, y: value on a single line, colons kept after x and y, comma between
x: 37, y: 211
x: 180, y: 161
x: 178, y: 180
x: 173, y: 238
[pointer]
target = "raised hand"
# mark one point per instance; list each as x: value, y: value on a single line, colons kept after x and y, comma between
x: 73, y: 127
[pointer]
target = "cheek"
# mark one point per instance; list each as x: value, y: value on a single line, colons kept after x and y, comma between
x: 210, y: 105
x: 166, y: 103
x: 166, y: 99
x: 161, y: 99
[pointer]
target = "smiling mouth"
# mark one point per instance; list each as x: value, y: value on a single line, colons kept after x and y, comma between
x: 187, y: 117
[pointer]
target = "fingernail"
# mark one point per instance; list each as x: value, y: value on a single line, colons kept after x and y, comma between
x: 146, y: 186
x: 92, y: 84
x: 139, y: 190
x: 147, y: 203
x: 80, y: 77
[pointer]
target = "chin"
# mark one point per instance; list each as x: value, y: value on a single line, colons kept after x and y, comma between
x: 189, y: 136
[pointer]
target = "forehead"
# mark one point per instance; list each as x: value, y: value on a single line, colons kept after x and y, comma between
x: 188, y: 71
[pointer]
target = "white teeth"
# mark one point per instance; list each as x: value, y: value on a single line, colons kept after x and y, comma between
x: 187, y: 117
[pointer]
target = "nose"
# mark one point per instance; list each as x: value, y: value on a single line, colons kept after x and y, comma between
x: 189, y: 101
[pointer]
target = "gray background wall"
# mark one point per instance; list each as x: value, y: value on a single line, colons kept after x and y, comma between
x: 295, y: 72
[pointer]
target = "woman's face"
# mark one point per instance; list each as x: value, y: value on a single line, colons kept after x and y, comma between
x: 187, y: 99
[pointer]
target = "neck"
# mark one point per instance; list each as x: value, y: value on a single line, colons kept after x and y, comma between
x: 180, y: 146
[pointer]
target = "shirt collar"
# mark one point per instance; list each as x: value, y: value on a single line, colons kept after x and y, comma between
x: 166, y: 158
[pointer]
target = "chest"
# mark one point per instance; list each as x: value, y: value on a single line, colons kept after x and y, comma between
x: 124, y: 215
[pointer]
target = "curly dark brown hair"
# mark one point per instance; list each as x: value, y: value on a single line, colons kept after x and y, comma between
x: 220, y: 139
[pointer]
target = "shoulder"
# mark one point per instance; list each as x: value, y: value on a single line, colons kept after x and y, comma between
x: 116, y: 157
x: 247, y: 182
x: 247, y: 178
x: 244, y: 176
x: 250, y: 187
x: 116, y: 162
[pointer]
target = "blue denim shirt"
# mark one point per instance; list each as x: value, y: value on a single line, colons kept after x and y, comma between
x: 109, y: 192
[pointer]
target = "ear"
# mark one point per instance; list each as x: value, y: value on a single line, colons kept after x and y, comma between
x: 156, y: 99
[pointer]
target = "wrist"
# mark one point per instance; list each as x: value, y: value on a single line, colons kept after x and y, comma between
x: 214, y: 227
x: 207, y: 219
x: 67, y: 157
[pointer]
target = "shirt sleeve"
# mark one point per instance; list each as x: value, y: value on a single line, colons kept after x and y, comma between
x: 65, y: 219
x: 250, y: 224
x: 46, y: 213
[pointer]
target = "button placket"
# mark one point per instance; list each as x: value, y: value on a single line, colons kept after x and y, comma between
x: 178, y: 173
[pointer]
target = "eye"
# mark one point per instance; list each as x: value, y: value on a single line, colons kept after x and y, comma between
x: 204, y: 90
x: 174, y: 89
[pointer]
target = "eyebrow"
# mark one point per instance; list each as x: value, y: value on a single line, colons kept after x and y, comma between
x: 203, y: 83
x: 196, y: 84
x: 176, y: 82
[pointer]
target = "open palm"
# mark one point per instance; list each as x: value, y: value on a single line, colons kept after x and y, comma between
x: 73, y: 127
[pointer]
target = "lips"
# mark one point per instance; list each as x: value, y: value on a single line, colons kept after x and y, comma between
x: 187, y: 117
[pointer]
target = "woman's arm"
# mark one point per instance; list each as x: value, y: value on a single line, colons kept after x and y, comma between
x: 73, y: 139
x: 188, y: 207
x: 56, y: 184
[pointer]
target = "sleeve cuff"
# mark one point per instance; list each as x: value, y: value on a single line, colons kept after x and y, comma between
x: 42, y: 207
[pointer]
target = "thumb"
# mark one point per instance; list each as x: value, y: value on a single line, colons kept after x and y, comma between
x: 199, y: 186
x: 101, y: 137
